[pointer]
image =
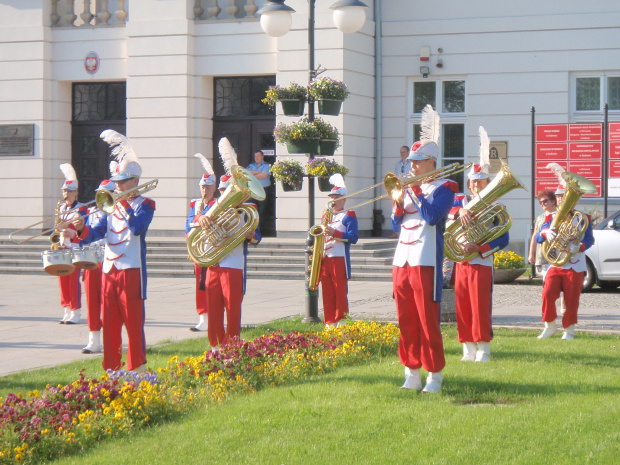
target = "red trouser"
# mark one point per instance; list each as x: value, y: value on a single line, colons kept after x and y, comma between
x: 71, y: 290
x: 556, y: 281
x: 201, y: 296
x: 334, y: 285
x: 92, y: 285
x: 418, y: 318
x: 473, y: 287
x: 224, y: 291
x: 123, y: 304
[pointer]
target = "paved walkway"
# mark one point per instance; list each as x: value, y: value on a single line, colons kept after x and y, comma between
x: 31, y: 338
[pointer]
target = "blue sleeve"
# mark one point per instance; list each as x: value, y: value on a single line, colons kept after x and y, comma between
x: 190, y: 219
x: 500, y: 242
x: 98, y: 231
x: 539, y: 237
x: 351, y: 233
x: 437, y: 210
x: 140, y: 219
x: 588, y: 237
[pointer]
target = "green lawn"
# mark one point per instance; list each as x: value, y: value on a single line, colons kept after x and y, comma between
x: 549, y: 401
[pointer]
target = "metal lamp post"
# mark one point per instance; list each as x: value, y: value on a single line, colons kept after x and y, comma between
x: 276, y: 20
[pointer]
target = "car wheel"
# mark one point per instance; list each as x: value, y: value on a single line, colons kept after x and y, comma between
x: 609, y: 284
x: 589, y: 277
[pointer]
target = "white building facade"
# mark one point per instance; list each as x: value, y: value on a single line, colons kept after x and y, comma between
x: 176, y: 75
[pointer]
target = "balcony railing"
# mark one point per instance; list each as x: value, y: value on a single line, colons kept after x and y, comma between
x: 82, y: 13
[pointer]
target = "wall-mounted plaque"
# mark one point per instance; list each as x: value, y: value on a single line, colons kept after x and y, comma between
x: 16, y: 140
x: 498, y: 152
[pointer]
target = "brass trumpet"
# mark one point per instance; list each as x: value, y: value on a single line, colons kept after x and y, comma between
x: 395, y: 186
x: 105, y: 201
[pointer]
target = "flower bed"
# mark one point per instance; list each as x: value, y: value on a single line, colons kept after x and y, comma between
x: 64, y: 419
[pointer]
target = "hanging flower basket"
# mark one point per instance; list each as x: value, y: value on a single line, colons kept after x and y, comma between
x: 286, y: 187
x: 282, y: 93
x: 330, y: 107
x: 324, y: 185
x: 328, y: 146
x: 303, y: 146
x: 292, y: 107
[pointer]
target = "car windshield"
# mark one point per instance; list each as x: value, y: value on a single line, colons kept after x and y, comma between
x: 603, y: 224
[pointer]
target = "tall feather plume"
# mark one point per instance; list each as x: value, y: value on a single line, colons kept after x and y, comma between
x: 205, y: 163
x: 558, y: 171
x: 68, y: 171
x: 337, y: 180
x: 113, y: 166
x: 227, y: 153
x: 484, y: 147
x: 121, y: 147
x: 429, y: 127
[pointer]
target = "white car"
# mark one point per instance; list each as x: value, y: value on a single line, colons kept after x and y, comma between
x: 603, y: 258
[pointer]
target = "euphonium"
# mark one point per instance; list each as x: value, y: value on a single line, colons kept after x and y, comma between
x: 484, y: 212
x: 570, y: 225
x: 318, y: 231
x: 208, y: 246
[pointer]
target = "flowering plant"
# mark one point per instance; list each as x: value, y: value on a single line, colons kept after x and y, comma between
x: 323, y: 167
x: 325, y: 88
x: 291, y: 92
x: 508, y: 261
x: 288, y: 171
x: 326, y: 130
x: 295, y: 131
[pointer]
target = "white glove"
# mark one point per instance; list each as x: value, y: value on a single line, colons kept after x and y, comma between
x: 550, y: 234
x: 574, y: 248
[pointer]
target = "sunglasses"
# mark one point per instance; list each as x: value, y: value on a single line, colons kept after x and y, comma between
x: 543, y: 201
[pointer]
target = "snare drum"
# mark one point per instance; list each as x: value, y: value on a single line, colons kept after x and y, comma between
x: 85, y: 257
x: 57, y: 262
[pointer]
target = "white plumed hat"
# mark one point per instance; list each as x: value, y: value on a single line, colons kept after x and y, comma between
x: 207, y: 179
x: 71, y: 182
x: 339, y: 188
x: 481, y: 170
x: 128, y: 164
x: 427, y: 147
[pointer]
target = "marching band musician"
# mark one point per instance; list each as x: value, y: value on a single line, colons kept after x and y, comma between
x: 473, y: 280
x: 124, y: 265
x: 70, y: 288
x: 566, y: 279
x: 420, y: 218
x: 340, y: 233
x: 198, y: 207
x: 226, y: 283
x: 92, y: 282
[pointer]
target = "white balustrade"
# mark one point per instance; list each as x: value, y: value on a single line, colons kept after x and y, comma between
x: 84, y: 13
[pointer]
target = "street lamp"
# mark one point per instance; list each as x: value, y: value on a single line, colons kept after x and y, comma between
x: 276, y: 19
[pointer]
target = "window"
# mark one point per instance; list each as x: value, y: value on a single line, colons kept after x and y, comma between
x: 99, y: 102
x: 448, y: 98
x: 591, y: 93
x: 242, y: 96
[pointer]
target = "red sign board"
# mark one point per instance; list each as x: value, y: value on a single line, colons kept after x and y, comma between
x: 552, y: 133
x: 587, y: 169
x: 552, y: 152
x: 543, y: 172
x: 585, y: 151
x: 614, y: 131
x: 546, y: 183
x: 597, y: 183
x: 593, y: 132
x: 614, y: 169
x: 614, y: 149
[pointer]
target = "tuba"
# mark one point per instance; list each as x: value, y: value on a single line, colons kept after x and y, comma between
x: 570, y: 225
x: 208, y: 246
x: 484, y: 212
x: 318, y: 231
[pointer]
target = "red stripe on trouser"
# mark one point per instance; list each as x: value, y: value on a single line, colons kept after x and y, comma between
x: 71, y: 290
x: 556, y: 281
x: 201, y: 296
x: 224, y: 292
x: 472, y: 289
x: 334, y: 288
x: 418, y: 318
x: 92, y: 286
x: 123, y: 304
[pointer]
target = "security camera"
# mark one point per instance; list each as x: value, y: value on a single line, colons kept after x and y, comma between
x: 439, y: 64
x: 425, y: 71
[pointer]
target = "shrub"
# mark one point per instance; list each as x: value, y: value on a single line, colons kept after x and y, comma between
x: 508, y: 260
x: 325, y: 88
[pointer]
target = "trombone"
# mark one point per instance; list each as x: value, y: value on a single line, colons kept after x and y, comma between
x: 105, y: 201
x: 395, y: 186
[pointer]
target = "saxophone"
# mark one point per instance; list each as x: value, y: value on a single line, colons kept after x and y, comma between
x: 570, y: 225
x: 485, y: 214
x: 55, y: 236
x: 318, y: 231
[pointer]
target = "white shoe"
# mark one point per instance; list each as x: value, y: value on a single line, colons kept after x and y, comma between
x: 341, y: 323
x: 469, y: 352
x: 330, y: 325
x: 75, y: 318
x: 202, y: 324
x: 94, y: 343
x: 66, y: 315
x: 550, y: 330
x: 140, y: 369
x: 412, y: 379
x: 433, y: 383
x: 569, y: 333
x: 484, y: 352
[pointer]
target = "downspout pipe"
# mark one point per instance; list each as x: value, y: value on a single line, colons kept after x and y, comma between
x: 377, y: 213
